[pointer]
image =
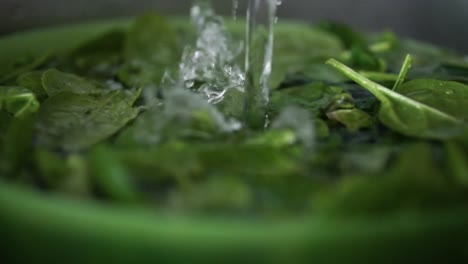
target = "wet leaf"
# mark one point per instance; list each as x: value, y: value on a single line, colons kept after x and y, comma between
x: 77, y: 121
x: 404, y: 114
x: 446, y: 96
x: 18, y: 101
x: 55, y: 82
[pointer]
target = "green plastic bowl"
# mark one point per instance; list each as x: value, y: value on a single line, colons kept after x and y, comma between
x: 38, y: 227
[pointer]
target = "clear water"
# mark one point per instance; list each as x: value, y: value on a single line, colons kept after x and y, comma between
x: 210, y: 65
x: 259, y: 40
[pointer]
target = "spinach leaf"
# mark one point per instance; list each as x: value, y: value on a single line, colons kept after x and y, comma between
x: 77, y: 121
x: 403, y: 72
x: 359, y: 54
x: 55, y: 82
x: 65, y: 174
x: 98, y: 58
x: 151, y: 46
x: 353, y: 119
x: 447, y: 96
x: 404, y: 114
x: 110, y: 177
x: 407, y: 185
x: 314, y: 97
x: 18, y: 101
x: 18, y: 142
x: 33, y: 81
x: 184, y: 114
x: 457, y: 161
x: 16, y: 70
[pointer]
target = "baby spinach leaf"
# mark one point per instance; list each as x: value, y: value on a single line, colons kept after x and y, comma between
x: 313, y: 97
x: 353, y: 119
x: 348, y: 36
x: 457, y: 162
x: 18, y: 101
x: 151, y: 46
x: 414, y: 186
x: 110, y: 176
x: 99, y: 57
x: 18, y: 142
x: 64, y: 174
x: 447, y: 96
x: 77, y: 121
x: 33, y: 81
x: 29, y: 65
x: 359, y: 53
x: 404, y: 114
x: 51, y: 167
x: 403, y: 72
x: 55, y: 82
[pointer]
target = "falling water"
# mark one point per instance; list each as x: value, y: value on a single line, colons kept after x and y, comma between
x: 259, y: 39
x: 212, y: 61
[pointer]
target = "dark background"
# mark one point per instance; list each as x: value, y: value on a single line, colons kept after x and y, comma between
x: 437, y: 21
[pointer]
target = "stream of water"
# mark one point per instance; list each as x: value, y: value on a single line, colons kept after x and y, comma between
x: 259, y: 40
x: 214, y: 59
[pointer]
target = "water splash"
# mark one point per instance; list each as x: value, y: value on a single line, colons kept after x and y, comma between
x: 209, y: 67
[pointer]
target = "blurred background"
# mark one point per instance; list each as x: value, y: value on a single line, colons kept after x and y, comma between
x: 436, y: 21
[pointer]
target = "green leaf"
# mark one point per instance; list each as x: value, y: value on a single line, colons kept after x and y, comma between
x: 29, y: 65
x: 457, y: 162
x: 414, y: 182
x: 18, y: 101
x: 404, y: 114
x: 359, y: 53
x: 33, y: 81
x: 403, y: 72
x: 353, y: 119
x: 51, y: 167
x: 64, y: 174
x: 184, y: 115
x: 18, y: 143
x: 110, y: 176
x: 98, y: 57
x: 314, y: 97
x: 151, y: 46
x: 449, y: 97
x: 55, y: 82
x: 348, y: 36
x: 77, y: 121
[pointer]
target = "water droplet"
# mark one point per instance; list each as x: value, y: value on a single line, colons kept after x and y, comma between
x: 449, y: 92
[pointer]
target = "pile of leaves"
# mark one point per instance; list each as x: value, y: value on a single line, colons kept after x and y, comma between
x: 360, y: 125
